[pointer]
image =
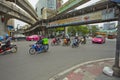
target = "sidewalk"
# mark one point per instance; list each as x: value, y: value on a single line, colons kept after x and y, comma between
x: 92, y: 70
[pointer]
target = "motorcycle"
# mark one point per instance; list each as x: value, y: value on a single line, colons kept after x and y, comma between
x: 83, y: 41
x: 75, y: 43
x: 38, y: 48
x: 66, y: 42
x: 10, y: 49
x: 55, y: 42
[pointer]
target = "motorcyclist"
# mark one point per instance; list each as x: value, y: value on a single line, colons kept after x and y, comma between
x: 45, y: 43
x: 83, y: 40
x: 67, y: 39
x: 84, y: 37
x: 58, y: 40
x: 54, y: 40
x: 39, y: 42
x: 64, y: 41
x: 76, y: 41
x: 7, y: 42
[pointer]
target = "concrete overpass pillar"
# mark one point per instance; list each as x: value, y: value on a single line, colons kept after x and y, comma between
x: 3, y: 27
x: 66, y: 30
x: 43, y: 30
x: 116, y: 66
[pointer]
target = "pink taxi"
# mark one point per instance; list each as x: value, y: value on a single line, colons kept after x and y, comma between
x: 32, y: 38
x: 98, y: 39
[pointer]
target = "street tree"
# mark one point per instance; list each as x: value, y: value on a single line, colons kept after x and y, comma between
x: 93, y: 30
x: 81, y: 29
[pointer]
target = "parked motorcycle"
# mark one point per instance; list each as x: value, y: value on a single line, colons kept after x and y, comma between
x: 6, y: 50
x: 37, y: 48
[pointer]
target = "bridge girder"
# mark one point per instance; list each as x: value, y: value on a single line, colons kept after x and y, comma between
x: 93, y: 8
x: 14, y: 12
x: 24, y: 4
x: 71, y: 4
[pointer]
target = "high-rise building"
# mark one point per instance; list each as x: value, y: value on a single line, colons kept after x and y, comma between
x: 109, y: 26
x: 51, y: 4
x: 59, y: 3
x: 41, y: 4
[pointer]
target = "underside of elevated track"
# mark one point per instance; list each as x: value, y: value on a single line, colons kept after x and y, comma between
x: 89, y: 9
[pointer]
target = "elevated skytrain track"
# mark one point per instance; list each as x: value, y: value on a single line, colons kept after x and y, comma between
x: 11, y: 11
x: 25, y: 5
x: 104, y: 5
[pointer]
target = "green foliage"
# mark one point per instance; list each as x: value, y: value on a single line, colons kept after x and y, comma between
x: 93, y: 30
x: 83, y: 30
x: 57, y: 29
x: 72, y: 29
x: 60, y: 29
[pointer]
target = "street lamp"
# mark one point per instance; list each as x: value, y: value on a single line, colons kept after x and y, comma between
x: 116, y: 67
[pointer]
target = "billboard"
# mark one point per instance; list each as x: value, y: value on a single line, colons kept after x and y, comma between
x: 99, y: 15
x: 10, y: 27
x: 109, y: 26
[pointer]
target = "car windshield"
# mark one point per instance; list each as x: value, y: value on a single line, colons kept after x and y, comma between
x: 19, y: 35
x: 99, y: 36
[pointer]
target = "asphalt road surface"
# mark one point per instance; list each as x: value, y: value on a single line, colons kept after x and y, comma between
x: 23, y: 66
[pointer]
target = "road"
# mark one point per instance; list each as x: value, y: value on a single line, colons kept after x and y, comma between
x: 23, y: 66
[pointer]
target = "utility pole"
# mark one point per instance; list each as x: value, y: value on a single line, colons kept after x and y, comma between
x: 116, y: 67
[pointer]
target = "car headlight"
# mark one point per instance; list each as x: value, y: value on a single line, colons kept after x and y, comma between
x: 99, y: 40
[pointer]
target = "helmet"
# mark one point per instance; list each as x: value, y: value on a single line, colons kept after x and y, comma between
x: 6, y: 36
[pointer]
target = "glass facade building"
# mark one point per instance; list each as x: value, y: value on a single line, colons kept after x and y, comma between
x: 41, y: 4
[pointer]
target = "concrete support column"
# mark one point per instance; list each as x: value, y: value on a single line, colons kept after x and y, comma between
x: 66, y: 30
x: 116, y: 66
x: 43, y: 31
x: 3, y: 27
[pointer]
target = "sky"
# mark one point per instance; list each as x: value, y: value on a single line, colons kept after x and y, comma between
x: 33, y: 3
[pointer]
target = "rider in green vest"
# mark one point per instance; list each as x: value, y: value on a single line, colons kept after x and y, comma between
x: 45, y: 41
